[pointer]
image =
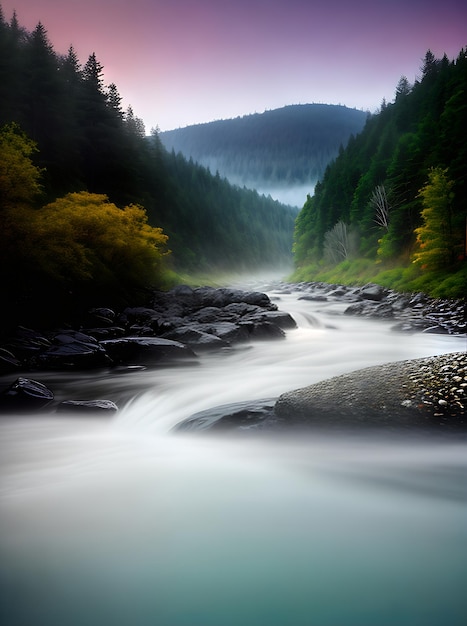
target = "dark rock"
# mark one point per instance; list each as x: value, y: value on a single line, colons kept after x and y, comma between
x: 137, y: 315
x: 26, y: 343
x: 26, y: 395
x: 383, y: 310
x: 250, y: 415
x: 100, y: 317
x: 228, y: 331
x: 222, y: 297
x: 109, y: 332
x: 146, y: 350
x: 358, y: 308
x: 372, y: 292
x: 239, y: 309
x: 337, y: 293
x: 73, y: 349
x: 196, y: 339
x: 206, y: 314
x: 8, y: 361
x: 87, y: 406
x: 279, y: 318
x: 314, y: 298
x: 260, y: 330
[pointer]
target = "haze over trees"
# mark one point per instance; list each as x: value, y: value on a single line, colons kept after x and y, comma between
x: 282, y: 149
x: 400, y: 189
x: 69, y: 149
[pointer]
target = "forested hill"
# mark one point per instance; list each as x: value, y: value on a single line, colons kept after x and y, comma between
x: 283, y: 147
x: 63, y: 131
x: 392, y: 207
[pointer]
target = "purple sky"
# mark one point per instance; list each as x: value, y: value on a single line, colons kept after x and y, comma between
x: 181, y: 62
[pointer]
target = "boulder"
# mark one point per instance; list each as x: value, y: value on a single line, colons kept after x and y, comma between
x: 146, y: 350
x: 227, y: 331
x: 26, y: 394
x: 195, y: 338
x: 372, y: 292
x: 413, y: 394
x: 73, y: 349
x: 249, y: 415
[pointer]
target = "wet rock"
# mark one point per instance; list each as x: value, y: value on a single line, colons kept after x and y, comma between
x: 228, y: 331
x: 146, y: 350
x: 249, y: 415
x: 314, y: 298
x: 137, y: 316
x: 87, y: 406
x: 75, y: 350
x: 26, y: 394
x: 281, y: 319
x: 372, y: 292
x: 196, y: 338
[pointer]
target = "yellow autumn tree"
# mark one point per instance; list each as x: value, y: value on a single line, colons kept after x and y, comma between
x: 435, y: 238
x: 84, y: 240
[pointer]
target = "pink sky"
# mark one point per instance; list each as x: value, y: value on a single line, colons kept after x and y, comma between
x: 181, y: 62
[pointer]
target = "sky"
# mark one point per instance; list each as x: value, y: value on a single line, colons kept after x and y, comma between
x: 183, y: 62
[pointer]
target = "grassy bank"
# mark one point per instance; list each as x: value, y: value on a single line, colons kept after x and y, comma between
x: 438, y: 284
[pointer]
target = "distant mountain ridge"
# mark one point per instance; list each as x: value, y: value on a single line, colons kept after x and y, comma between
x: 283, y: 148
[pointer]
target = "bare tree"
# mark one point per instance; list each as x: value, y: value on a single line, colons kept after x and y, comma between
x: 336, y: 243
x: 379, y: 201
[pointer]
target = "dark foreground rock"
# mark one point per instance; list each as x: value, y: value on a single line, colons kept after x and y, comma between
x: 253, y: 415
x: 26, y: 395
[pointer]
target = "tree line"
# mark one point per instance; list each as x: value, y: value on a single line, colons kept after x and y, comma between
x: 392, y: 205
x: 68, y: 135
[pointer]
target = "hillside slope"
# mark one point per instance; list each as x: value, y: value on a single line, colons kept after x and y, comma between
x: 392, y: 206
x: 283, y: 148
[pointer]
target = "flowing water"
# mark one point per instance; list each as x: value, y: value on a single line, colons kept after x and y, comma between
x: 122, y: 522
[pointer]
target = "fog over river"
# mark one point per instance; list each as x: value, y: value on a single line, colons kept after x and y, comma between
x: 121, y: 521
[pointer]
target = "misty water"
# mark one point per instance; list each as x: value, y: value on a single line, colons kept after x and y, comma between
x: 292, y: 195
x: 122, y: 521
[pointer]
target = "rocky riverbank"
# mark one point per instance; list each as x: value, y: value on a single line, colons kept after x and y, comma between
x: 175, y: 327
x: 183, y: 323
x: 414, y: 312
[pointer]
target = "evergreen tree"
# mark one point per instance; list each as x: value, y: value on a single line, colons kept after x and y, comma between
x: 437, y: 245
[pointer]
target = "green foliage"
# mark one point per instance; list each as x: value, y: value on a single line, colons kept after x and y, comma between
x: 435, y: 238
x: 86, y: 142
x: 19, y: 177
x: 83, y: 237
x: 78, y: 251
x: 422, y: 133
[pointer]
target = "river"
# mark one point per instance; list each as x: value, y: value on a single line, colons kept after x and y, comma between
x: 123, y: 522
